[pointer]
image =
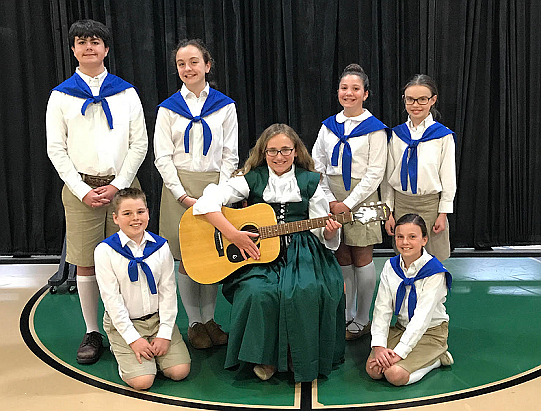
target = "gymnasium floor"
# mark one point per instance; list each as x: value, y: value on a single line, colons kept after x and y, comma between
x: 494, y: 334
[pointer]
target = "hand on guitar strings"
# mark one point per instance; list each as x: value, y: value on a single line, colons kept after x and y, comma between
x: 331, y: 228
x: 244, y: 240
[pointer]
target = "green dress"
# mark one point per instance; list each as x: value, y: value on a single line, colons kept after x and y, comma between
x: 297, y: 301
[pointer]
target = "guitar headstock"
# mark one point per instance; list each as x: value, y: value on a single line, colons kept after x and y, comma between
x: 372, y: 212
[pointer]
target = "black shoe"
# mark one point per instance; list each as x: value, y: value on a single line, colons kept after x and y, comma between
x: 90, y: 349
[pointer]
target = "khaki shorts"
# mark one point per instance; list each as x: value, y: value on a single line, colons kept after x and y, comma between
x: 86, y: 227
x: 430, y: 347
x: 427, y: 207
x: 129, y: 366
x: 356, y: 234
x: 171, y: 210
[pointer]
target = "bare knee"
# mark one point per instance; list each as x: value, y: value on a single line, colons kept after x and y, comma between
x: 362, y: 255
x: 85, y: 271
x: 177, y: 372
x: 143, y: 382
x: 373, y: 372
x: 343, y: 255
x: 397, y: 375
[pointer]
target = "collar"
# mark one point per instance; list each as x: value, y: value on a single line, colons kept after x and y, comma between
x: 341, y: 118
x: 100, y: 77
x: 124, y: 239
x: 188, y: 94
x: 285, y: 176
x: 427, y: 122
x: 417, y: 264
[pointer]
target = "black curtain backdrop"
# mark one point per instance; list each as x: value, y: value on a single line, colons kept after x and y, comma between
x: 280, y: 61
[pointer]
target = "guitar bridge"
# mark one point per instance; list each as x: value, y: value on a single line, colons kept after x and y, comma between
x: 218, y: 242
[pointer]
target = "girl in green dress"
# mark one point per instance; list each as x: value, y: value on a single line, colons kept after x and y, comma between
x: 288, y: 313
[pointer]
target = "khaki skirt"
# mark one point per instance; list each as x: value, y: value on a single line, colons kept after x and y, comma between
x: 427, y: 207
x: 171, y: 210
x: 429, y: 348
x: 356, y: 234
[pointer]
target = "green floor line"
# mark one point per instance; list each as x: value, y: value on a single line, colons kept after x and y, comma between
x: 59, y: 326
x: 491, y: 336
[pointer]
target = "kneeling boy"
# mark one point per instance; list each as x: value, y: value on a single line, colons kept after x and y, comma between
x: 135, y: 274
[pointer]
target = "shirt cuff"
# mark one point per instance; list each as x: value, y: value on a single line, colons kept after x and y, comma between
x: 402, y: 350
x: 334, y: 242
x: 445, y: 207
x: 350, y: 203
x: 378, y: 341
x: 131, y: 335
x: 120, y: 182
x: 178, y: 192
x: 81, y: 190
x: 165, y: 332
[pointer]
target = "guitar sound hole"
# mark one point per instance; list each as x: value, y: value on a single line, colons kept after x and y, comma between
x: 252, y: 229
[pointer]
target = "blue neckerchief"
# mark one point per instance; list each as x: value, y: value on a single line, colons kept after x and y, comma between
x: 215, y: 101
x: 433, y: 266
x: 133, y: 272
x: 409, y: 166
x: 369, y: 125
x: 75, y: 86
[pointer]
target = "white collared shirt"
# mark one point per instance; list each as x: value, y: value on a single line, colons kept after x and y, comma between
x: 369, y: 155
x: 124, y: 299
x: 222, y: 157
x: 280, y: 189
x: 436, y: 169
x: 429, y: 311
x: 85, y: 144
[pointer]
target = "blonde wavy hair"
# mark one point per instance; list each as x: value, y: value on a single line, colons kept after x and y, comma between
x: 257, y: 155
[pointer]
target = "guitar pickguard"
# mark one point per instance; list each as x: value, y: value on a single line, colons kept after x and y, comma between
x: 233, y: 252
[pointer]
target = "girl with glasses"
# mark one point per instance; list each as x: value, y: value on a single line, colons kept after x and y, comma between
x: 288, y: 313
x: 350, y: 152
x: 421, y: 174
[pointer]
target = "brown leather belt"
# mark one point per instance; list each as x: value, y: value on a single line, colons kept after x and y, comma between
x: 97, y: 181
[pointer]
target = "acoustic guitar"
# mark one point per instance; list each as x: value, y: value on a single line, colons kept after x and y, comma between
x: 209, y: 257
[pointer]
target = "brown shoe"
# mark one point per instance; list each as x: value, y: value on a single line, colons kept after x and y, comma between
x: 215, y: 333
x: 362, y: 330
x: 198, y: 336
x: 90, y: 349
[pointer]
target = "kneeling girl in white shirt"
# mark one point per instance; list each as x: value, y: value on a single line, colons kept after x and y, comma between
x: 413, y: 286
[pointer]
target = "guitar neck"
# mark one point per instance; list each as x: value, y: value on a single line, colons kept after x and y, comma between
x: 303, y: 225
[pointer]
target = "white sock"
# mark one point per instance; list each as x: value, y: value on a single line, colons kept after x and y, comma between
x: 365, y: 280
x: 190, y: 295
x: 89, y: 295
x: 351, y: 291
x: 208, y: 294
x: 420, y: 373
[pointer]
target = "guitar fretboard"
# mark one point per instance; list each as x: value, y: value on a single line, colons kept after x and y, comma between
x: 303, y: 225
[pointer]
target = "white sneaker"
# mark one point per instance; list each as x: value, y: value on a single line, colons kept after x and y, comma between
x: 264, y: 372
x: 446, y: 358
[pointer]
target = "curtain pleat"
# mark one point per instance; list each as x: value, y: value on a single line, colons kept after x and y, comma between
x: 280, y: 61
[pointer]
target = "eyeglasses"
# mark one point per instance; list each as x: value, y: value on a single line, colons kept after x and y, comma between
x: 272, y: 152
x: 421, y: 100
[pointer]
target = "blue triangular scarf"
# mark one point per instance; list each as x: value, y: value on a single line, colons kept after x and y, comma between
x: 369, y: 125
x: 75, y: 86
x: 215, y: 101
x: 433, y: 266
x: 150, y: 248
x: 409, y: 165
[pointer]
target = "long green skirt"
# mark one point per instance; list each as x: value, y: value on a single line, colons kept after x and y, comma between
x: 296, y: 302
